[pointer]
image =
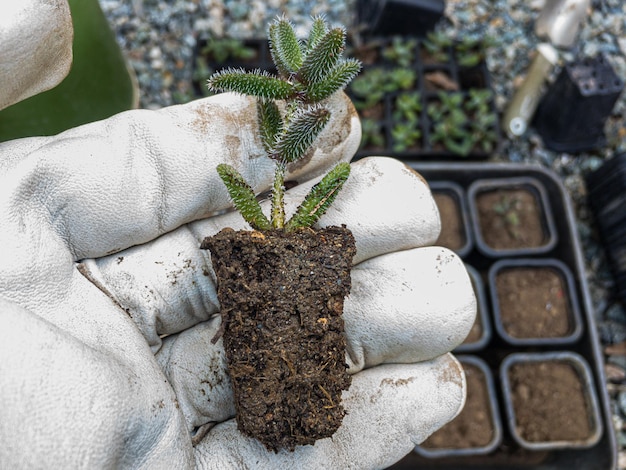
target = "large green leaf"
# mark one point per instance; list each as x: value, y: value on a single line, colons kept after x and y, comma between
x: 99, y: 84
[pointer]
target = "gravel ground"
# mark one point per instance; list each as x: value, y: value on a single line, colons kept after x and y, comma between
x: 159, y: 36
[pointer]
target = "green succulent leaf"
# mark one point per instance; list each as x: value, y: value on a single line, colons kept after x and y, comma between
x: 300, y: 132
x: 270, y: 123
x: 257, y: 83
x: 323, y: 57
x: 243, y: 197
x: 460, y: 147
x: 343, y: 72
x: 272, y: 36
x: 285, y: 48
x: 318, y: 31
x: 319, y: 198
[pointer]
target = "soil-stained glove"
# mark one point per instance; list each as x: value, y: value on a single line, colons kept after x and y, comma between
x: 35, y: 47
x: 109, y: 306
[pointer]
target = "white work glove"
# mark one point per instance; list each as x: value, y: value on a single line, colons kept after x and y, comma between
x: 35, y: 47
x: 109, y: 306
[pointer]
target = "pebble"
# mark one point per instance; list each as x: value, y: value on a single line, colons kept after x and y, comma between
x: 616, y: 313
x: 621, y: 400
x: 618, y: 360
x: 615, y: 373
x: 617, y: 349
x: 611, y: 332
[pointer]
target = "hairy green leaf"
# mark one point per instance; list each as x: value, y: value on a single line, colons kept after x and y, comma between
x: 335, y: 80
x: 320, y: 60
x: 243, y: 197
x: 272, y: 36
x: 300, y: 132
x: 318, y: 31
x: 270, y: 123
x: 285, y: 47
x: 257, y: 83
x: 319, y: 199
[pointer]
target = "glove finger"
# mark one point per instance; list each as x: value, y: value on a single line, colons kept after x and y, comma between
x: 387, y: 206
x: 168, y: 285
x: 407, y: 307
x: 69, y: 403
x: 196, y: 370
x: 123, y: 181
x: 390, y: 409
x: 35, y: 47
x: 404, y: 308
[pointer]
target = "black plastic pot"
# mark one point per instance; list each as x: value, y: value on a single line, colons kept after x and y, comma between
x: 607, y: 198
x: 600, y: 451
x: 505, y: 214
x: 552, y: 298
x: 398, y: 17
x: 589, y: 411
x: 478, y: 417
x: 571, y: 115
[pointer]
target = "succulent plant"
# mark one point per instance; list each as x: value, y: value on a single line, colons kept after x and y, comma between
x: 309, y: 71
x: 401, y: 51
x: 463, y: 121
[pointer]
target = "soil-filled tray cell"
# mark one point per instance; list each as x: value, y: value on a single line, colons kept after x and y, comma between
x: 534, y: 302
x: 477, y: 429
x: 550, y: 401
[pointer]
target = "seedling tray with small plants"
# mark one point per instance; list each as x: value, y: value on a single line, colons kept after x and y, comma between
x: 536, y: 371
x: 429, y: 97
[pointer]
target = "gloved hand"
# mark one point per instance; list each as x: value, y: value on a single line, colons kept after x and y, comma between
x: 109, y: 306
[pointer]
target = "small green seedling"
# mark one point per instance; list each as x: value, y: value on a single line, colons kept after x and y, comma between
x: 372, y: 134
x: 464, y: 122
x: 508, y: 209
x: 308, y: 72
x: 472, y: 50
x: 438, y: 44
x: 401, y: 51
x: 223, y: 49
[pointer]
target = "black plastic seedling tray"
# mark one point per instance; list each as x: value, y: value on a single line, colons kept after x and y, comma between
x: 509, y: 455
x: 467, y: 78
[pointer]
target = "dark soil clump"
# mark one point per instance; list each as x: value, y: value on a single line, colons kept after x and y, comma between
x: 281, y: 297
